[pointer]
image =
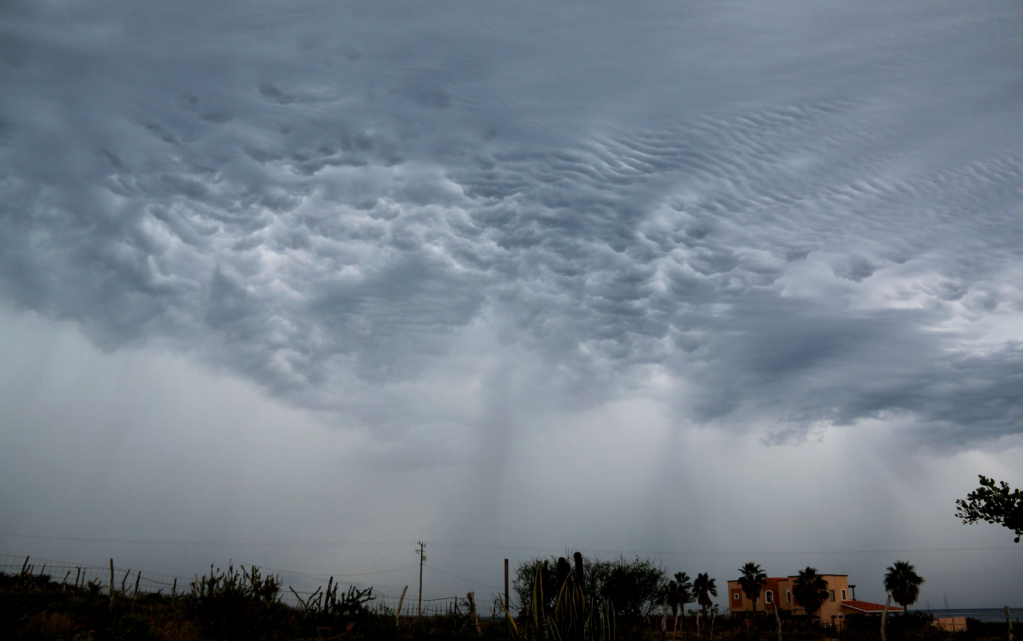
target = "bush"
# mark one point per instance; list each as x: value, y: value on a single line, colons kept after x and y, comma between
x: 236, y: 605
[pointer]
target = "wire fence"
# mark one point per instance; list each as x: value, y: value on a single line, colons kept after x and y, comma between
x: 126, y: 580
x: 135, y: 582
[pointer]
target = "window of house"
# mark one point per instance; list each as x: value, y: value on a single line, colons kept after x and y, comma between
x: 831, y: 595
x: 843, y: 595
x: 768, y: 597
x: 788, y: 596
x: 735, y: 596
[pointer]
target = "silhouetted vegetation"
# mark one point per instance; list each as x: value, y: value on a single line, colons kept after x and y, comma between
x: 994, y: 502
x: 752, y: 580
x: 566, y: 601
x: 632, y: 588
x: 902, y: 581
x: 810, y: 590
x: 236, y: 604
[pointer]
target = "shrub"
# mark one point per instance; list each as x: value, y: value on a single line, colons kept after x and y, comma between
x: 236, y: 605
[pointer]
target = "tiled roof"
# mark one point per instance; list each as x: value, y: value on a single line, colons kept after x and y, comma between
x: 864, y: 606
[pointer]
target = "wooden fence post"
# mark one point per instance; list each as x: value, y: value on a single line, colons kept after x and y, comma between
x: 401, y: 601
x: 137, y: 579
x: 884, y: 616
x: 472, y: 610
x: 1008, y: 622
x: 111, y: 583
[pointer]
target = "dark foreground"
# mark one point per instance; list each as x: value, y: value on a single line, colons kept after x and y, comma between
x: 238, y: 605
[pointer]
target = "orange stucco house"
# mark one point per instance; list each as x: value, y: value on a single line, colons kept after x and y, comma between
x: 777, y: 593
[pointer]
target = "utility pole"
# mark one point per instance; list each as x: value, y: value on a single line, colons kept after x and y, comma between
x: 422, y: 560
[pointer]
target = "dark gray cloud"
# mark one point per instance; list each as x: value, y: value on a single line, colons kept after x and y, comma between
x: 804, y: 213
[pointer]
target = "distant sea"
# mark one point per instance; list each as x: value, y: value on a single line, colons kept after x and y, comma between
x: 980, y: 614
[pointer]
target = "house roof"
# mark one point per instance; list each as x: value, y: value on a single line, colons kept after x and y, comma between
x: 865, y: 606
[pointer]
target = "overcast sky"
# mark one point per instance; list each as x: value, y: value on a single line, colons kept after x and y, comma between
x: 708, y: 281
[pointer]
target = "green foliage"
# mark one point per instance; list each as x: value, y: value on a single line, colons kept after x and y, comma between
x: 902, y: 581
x: 810, y: 590
x: 994, y: 502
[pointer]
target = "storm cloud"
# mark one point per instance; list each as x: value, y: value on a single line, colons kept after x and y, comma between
x: 446, y: 223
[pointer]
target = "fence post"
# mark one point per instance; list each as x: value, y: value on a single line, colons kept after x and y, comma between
x: 472, y: 610
x: 174, y: 589
x: 111, y: 583
x: 664, y: 619
x: 884, y: 616
x: 401, y: 601
x: 137, y: 579
x: 24, y: 565
x: 1008, y: 622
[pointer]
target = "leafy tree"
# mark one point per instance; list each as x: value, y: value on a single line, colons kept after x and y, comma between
x: 994, y: 502
x: 752, y: 580
x: 810, y: 590
x: 705, y: 587
x: 902, y: 581
x: 633, y: 587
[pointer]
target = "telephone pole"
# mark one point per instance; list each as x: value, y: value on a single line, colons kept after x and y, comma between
x: 422, y: 560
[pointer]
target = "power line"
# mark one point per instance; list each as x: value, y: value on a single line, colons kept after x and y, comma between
x: 462, y: 578
x: 211, y: 543
x: 266, y: 567
x: 484, y: 546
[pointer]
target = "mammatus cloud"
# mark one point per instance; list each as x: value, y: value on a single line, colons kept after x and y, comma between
x: 799, y: 213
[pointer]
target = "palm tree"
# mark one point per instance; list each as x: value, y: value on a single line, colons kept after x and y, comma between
x: 704, y: 587
x: 810, y: 590
x: 752, y: 580
x: 681, y: 593
x: 903, y: 583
